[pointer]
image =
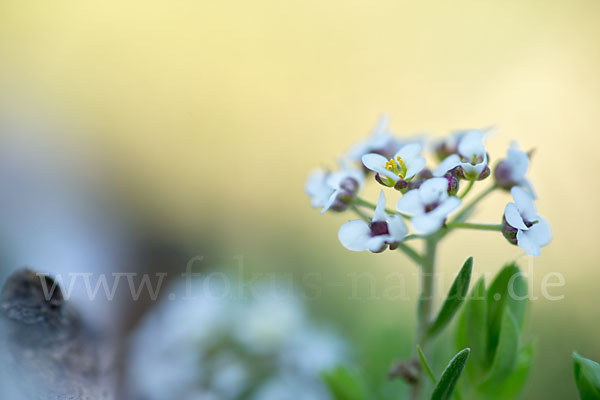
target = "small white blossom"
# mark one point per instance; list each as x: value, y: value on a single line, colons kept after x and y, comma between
x: 471, y: 157
x: 523, y: 225
x: 384, y: 230
x: 404, y: 166
x: 333, y: 189
x: 429, y: 205
x: 511, y: 171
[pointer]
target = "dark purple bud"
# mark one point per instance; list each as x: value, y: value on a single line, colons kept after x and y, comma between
x: 453, y: 184
x: 457, y: 172
x: 503, y: 175
x: 509, y: 232
x: 484, y: 174
x: 401, y: 185
x: 349, y: 185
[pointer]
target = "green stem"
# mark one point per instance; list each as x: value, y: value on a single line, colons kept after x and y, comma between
x: 361, y: 214
x: 425, y: 302
x: 411, y: 253
x: 467, y: 190
x: 480, y: 227
x: 466, y: 209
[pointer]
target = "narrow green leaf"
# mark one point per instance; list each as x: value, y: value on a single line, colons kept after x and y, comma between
x: 510, y: 288
x: 454, y: 299
x: 505, y: 359
x: 472, y: 329
x: 587, y: 377
x: 447, y: 382
x: 513, y: 385
x: 425, y: 364
x: 344, y: 384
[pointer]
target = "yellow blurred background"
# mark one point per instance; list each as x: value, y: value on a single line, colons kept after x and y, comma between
x: 213, y: 112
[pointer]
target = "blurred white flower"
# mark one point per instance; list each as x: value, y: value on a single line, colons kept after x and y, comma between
x: 333, y: 190
x: 511, y: 171
x: 522, y: 224
x: 471, y: 157
x: 381, y: 141
x: 384, y: 229
x: 429, y: 205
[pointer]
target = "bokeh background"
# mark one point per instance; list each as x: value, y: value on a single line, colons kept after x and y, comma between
x: 201, y: 119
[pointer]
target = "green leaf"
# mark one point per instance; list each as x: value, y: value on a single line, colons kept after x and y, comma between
x: 587, y: 377
x: 344, y: 384
x: 508, y: 288
x: 513, y: 385
x: 505, y: 359
x: 454, y: 299
x: 447, y: 382
x: 425, y: 364
x: 472, y: 329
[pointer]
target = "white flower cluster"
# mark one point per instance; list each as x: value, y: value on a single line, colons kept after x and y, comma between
x: 213, y: 344
x: 428, y: 195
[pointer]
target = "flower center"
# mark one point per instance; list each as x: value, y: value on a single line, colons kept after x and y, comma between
x: 396, y: 166
x: 379, y: 228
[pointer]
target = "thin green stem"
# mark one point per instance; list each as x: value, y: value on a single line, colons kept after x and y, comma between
x: 480, y: 227
x: 411, y: 253
x: 425, y: 305
x: 467, y: 209
x: 361, y: 214
x: 425, y: 365
x: 467, y: 190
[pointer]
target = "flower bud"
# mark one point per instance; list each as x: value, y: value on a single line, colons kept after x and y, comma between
x: 401, y: 185
x: 484, y: 174
x: 345, y: 197
x: 453, y: 184
x: 509, y: 232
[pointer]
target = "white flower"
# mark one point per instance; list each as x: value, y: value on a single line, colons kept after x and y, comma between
x: 511, y: 171
x: 381, y: 140
x: 471, y: 157
x: 404, y: 166
x: 429, y: 205
x: 523, y: 225
x: 384, y: 230
x: 333, y: 190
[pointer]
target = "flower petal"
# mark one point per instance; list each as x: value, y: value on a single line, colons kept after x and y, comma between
x: 524, y: 203
x: 433, y: 190
x: 427, y: 223
x: 377, y: 244
x: 518, y: 161
x: 449, y: 162
x: 355, y: 235
x: 376, y: 162
x: 527, y: 244
x: 408, y: 151
x: 411, y: 203
x: 336, y: 178
x: 447, y: 206
x: 397, y: 228
x: 540, y: 233
x: 317, y: 188
x: 414, y: 165
x: 513, y: 217
x: 471, y: 145
x: 380, y: 214
x: 330, y: 201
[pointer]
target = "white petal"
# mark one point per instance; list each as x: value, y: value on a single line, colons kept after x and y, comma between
x: 450, y: 162
x: 433, y: 190
x: 528, y: 187
x: 530, y: 247
x: 376, y: 162
x: 330, y: 201
x: 447, y: 206
x: 540, y: 233
x: 518, y: 161
x: 414, y: 166
x: 377, y: 243
x: 397, y: 228
x: 408, y: 151
x: 411, y: 203
x: 427, y: 223
x: 335, y: 179
x: 473, y: 171
x: 382, y: 125
x: 524, y: 203
x: 513, y: 217
x: 317, y: 188
x: 471, y: 145
x: 380, y: 214
x: 355, y: 235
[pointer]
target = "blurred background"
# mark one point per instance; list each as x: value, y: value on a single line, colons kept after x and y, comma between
x: 144, y: 132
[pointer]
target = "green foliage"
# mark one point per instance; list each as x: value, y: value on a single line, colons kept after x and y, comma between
x: 454, y: 299
x: 491, y: 324
x: 344, y: 384
x: 447, y: 383
x: 587, y: 377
